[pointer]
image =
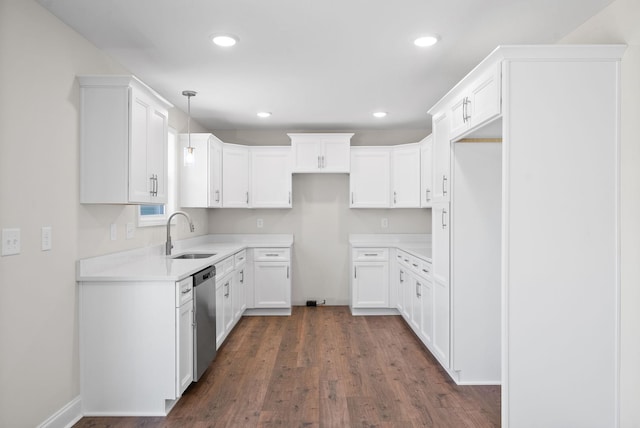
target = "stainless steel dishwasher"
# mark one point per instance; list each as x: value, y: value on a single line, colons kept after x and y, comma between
x: 204, y: 329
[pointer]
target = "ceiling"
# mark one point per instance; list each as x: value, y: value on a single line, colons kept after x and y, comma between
x: 316, y: 65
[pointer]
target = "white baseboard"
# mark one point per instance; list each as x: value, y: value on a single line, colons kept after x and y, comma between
x: 65, y: 417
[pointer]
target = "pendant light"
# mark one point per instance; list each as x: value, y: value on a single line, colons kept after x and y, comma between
x: 189, y: 157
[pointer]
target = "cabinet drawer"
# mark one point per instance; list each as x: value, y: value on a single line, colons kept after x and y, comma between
x: 370, y: 254
x: 271, y: 254
x: 224, y: 267
x: 425, y: 269
x: 240, y: 258
x: 184, y: 291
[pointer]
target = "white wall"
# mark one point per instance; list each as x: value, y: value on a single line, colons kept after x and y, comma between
x: 321, y: 219
x: 39, y: 99
x: 620, y: 23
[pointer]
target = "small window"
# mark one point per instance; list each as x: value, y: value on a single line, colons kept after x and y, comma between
x: 156, y: 215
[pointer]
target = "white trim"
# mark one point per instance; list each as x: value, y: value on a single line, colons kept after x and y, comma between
x: 66, y: 417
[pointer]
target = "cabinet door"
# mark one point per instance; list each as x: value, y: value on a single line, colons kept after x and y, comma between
x: 426, y: 172
x: 406, y: 176
x: 441, y: 333
x: 441, y: 242
x: 335, y: 156
x: 369, y: 178
x: 370, y: 285
x: 270, y: 177
x: 141, y: 184
x: 416, y: 309
x: 306, y: 156
x: 441, y: 158
x: 239, y: 293
x: 147, y: 150
x: 235, y: 176
x: 227, y: 309
x: 220, y: 331
x: 484, y: 98
x: 460, y: 116
x: 272, y: 284
x: 215, y: 173
x: 426, y: 326
x: 409, y: 291
x: 184, y: 340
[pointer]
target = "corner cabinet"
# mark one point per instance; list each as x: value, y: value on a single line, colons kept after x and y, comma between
x: 320, y: 153
x: 123, y: 141
x: 370, y: 177
x: 201, y: 183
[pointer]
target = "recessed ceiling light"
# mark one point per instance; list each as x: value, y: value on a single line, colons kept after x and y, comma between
x: 425, y: 41
x: 380, y: 114
x: 264, y: 114
x: 224, y: 40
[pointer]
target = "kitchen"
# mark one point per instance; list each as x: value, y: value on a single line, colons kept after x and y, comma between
x: 40, y: 59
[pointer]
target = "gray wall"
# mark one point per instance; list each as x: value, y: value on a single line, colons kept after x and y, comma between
x: 320, y: 219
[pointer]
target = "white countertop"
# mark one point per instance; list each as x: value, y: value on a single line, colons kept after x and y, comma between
x: 418, y: 245
x: 151, y: 264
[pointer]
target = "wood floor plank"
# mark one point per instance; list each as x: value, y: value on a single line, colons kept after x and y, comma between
x: 322, y: 367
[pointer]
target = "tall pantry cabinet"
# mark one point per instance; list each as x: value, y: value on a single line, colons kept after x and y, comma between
x: 526, y: 239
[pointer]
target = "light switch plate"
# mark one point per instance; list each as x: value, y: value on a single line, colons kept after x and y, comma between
x: 260, y: 223
x: 384, y: 223
x: 113, y: 231
x: 10, y: 242
x: 46, y: 238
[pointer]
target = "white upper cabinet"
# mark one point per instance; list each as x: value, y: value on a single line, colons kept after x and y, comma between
x: 201, y: 183
x: 325, y: 153
x: 235, y: 176
x: 370, y: 177
x: 405, y: 173
x: 477, y: 103
x: 426, y: 172
x: 270, y: 177
x: 256, y: 177
x: 123, y: 141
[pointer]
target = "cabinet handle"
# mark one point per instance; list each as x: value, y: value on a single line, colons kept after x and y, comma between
x: 227, y: 285
x: 287, y: 272
x: 414, y: 265
x: 152, y: 186
x: 355, y: 271
x: 289, y: 198
x: 466, y: 116
x: 323, y: 164
x: 444, y: 224
x: 444, y: 181
x: 418, y: 285
x: 370, y: 254
x: 217, y: 196
x: 242, y: 276
x: 187, y: 291
x: 319, y: 162
x: 247, y: 193
x: 427, y: 194
x: 425, y: 271
x: 464, y: 107
x: 271, y: 255
x: 351, y: 198
x: 401, y: 278
x: 395, y: 197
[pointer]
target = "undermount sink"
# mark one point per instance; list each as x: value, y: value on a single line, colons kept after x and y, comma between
x: 194, y: 256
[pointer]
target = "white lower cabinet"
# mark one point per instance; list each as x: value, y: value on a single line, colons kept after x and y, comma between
x: 230, y: 294
x: 136, y: 345
x: 370, y: 278
x: 184, y: 334
x: 272, y: 278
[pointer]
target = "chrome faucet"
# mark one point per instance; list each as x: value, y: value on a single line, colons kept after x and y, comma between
x: 169, y: 245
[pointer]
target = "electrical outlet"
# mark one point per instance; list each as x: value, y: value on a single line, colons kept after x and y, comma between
x: 384, y: 223
x: 260, y: 223
x: 45, y: 237
x: 10, y: 242
x: 131, y: 231
x: 113, y: 231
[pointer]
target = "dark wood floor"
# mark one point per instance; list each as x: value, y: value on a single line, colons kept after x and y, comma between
x: 321, y: 367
